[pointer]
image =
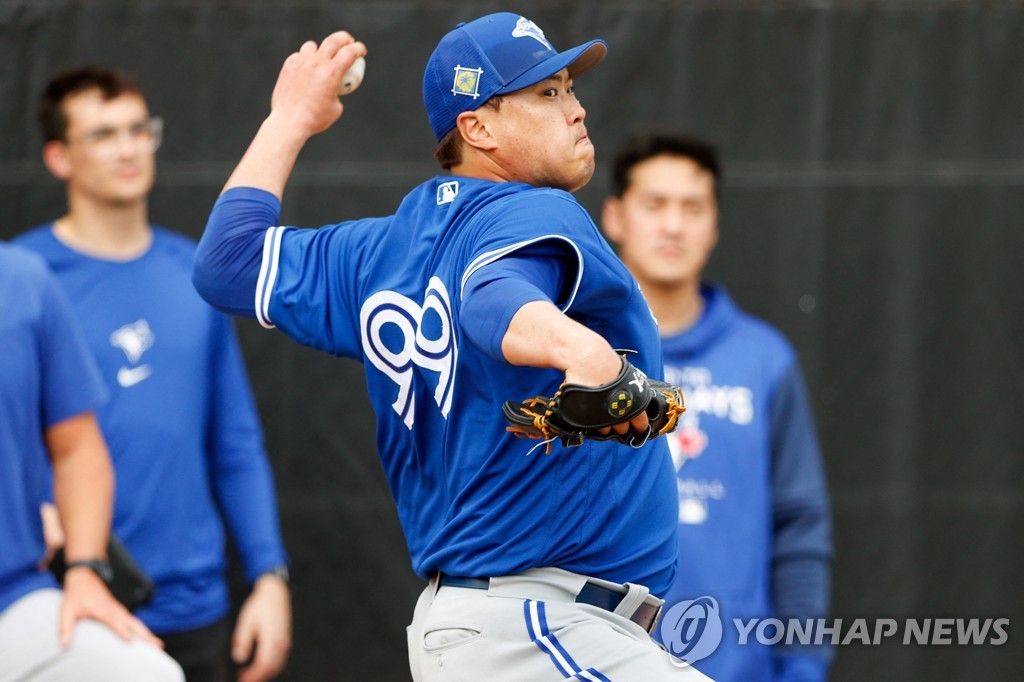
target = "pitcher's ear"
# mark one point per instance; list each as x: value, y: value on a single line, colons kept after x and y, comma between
x: 473, y: 127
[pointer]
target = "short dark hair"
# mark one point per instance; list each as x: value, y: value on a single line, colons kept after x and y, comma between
x: 644, y: 146
x: 448, y: 151
x: 50, y: 113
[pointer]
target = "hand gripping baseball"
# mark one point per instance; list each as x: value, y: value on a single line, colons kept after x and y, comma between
x: 577, y: 413
x: 306, y: 93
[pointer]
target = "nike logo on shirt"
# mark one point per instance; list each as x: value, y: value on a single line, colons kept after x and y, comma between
x: 130, y: 376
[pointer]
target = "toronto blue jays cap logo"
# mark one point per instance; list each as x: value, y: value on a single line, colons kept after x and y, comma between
x: 527, y: 29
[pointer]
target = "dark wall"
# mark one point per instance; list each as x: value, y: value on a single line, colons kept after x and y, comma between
x: 873, y: 210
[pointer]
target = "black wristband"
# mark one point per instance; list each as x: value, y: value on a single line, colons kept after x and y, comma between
x: 98, y: 566
x: 281, y: 571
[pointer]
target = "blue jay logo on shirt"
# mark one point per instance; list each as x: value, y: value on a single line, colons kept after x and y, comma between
x: 134, y: 339
x: 527, y: 29
x: 467, y: 81
x: 399, y: 335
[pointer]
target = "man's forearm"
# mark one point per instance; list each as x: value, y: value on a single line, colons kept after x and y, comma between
x: 540, y: 335
x: 83, y: 485
x: 271, y: 156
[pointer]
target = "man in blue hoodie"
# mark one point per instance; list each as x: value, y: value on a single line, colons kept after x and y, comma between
x: 754, y: 521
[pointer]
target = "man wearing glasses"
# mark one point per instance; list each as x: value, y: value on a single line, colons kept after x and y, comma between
x: 182, y: 426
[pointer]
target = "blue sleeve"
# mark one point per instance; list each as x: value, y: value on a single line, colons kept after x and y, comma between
x: 239, y: 468
x: 227, y: 261
x: 553, y: 220
x: 802, y: 551
x: 494, y: 293
x: 71, y: 382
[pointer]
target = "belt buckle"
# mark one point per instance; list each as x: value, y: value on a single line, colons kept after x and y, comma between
x: 654, y: 621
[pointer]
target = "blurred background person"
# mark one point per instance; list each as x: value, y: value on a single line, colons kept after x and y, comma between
x: 754, y: 519
x: 49, y: 388
x: 182, y: 424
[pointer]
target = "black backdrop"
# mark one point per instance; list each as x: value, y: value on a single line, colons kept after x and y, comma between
x: 873, y: 209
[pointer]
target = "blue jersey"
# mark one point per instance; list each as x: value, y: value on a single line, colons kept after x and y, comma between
x: 182, y: 425
x: 46, y: 376
x: 471, y: 499
x: 754, y: 527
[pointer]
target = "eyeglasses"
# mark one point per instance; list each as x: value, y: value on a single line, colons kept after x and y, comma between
x: 105, y: 142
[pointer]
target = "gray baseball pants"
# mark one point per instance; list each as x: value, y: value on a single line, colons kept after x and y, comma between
x: 30, y: 649
x: 529, y: 627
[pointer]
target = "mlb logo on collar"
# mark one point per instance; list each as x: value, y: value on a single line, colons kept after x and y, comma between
x: 446, y: 192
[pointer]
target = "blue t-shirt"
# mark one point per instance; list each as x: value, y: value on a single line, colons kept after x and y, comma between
x: 46, y: 376
x: 182, y: 425
x: 388, y: 292
x: 754, y: 524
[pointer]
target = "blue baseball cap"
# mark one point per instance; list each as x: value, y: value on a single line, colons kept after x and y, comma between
x: 494, y: 55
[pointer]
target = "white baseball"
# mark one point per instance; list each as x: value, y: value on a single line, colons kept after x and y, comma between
x: 353, y: 77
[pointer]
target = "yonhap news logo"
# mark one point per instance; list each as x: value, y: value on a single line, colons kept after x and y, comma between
x: 692, y: 630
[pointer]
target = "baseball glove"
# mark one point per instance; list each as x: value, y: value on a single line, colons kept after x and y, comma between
x: 576, y: 413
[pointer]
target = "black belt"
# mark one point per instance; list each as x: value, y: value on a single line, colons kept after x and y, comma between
x: 646, y: 615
